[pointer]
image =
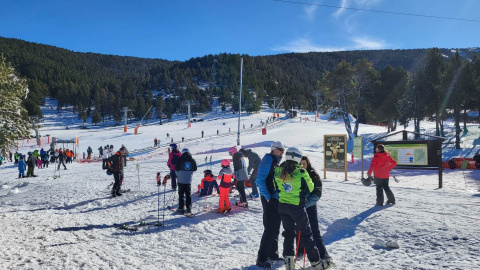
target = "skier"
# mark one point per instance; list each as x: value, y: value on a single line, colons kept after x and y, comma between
x: 226, y: 176
x: 311, y: 208
x: 21, y: 166
x: 253, y: 164
x: 382, y: 164
x: 61, y: 159
x: 100, y: 151
x: 172, y: 161
x: 292, y: 184
x: 269, y: 196
x: 184, y: 169
x: 241, y: 175
x: 155, y: 142
x: 125, y: 154
x: 117, y: 170
x: 89, y: 153
x: 207, y: 184
x: 45, y: 159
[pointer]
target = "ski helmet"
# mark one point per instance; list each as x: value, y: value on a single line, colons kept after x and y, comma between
x: 225, y: 163
x: 185, y: 150
x: 367, y: 181
x: 173, y: 146
x: 293, y: 154
x: 207, y: 173
x: 232, y: 151
x: 111, y: 146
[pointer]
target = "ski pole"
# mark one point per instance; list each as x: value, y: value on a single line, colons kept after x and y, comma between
x: 158, y: 204
x: 164, y: 190
x: 298, y: 242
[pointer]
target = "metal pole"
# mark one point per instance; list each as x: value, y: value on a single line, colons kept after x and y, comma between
x: 240, y: 101
x: 362, y: 157
x: 188, y: 105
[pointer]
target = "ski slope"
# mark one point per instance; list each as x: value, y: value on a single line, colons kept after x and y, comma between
x: 69, y: 223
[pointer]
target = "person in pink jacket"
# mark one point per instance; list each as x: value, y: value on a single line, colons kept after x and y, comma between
x: 172, y: 161
x: 382, y: 164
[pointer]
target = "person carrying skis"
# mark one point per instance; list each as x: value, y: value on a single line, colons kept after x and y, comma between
x: 184, y: 169
x: 253, y: 164
x: 172, y: 161
x: 292, y: 183
x: 311, y: 208
x: 21, y: 166
x: 225, y: 176
x: 382, y: 164
x: 241, y: 175
x: 207, y: 184
x: 269, y: 197
x: 117, y: 171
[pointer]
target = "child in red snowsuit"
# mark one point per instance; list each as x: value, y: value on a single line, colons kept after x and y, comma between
x: 208, y: 184
x: 226, y: 176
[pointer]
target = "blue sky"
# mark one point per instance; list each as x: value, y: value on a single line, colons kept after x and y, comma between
x: 182, y: 29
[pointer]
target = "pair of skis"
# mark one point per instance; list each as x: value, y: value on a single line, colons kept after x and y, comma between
x: 134, y: 228
x: 189, y: 215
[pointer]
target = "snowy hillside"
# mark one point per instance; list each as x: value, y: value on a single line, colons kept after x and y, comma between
x: 69, y: 222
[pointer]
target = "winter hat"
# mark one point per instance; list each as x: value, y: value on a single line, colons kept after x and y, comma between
x: 225, y: 163
x: 232, y: 151
x: 207, y: 172
x: 185, y: 150
x: 173, y: 146
x: 111, y: 146
x: 243, y: 151
x: 277, y: 145
x: 293, y: 154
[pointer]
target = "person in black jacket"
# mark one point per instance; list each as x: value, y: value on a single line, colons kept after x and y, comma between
x: 253, y: 164
x: 116, y: 162
x: 61, y: 159
x: 31, y: 163
x: 311, y: 207
x: 184, y: 168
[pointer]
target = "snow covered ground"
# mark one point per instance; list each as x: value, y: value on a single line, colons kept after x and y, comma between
x: 68, y: 223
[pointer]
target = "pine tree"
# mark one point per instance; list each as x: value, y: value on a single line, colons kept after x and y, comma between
x: 14, y: 123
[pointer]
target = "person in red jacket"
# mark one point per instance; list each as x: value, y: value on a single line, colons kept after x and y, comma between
x: 382, y: 164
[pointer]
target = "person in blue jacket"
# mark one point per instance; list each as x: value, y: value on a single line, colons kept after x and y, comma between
x: 21, y: 166
x: 269, y: 197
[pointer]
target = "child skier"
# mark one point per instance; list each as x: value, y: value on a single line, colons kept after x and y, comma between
x: 21, y: 166
x: 225, y: 175
x: 208, y: 184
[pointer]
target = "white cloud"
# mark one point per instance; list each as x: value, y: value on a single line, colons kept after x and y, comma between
x: 366, y: 43
x: 310, y: 12
x: 302, y: 45
x: 339, y: 11
x: 354, y: 3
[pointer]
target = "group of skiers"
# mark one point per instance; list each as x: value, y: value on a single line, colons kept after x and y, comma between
x: 40, y: 159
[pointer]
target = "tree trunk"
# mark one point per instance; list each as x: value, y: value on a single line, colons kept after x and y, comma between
x: 346, y: 119
x: 437, y: 125
x: 464, y: 119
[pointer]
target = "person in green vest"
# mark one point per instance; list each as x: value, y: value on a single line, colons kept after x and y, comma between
x: 292, y: 183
